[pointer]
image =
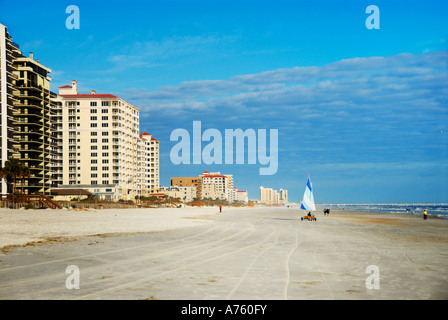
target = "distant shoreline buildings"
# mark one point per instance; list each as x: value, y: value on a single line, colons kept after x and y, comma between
x: 270, y: 196
x: 212, y: 186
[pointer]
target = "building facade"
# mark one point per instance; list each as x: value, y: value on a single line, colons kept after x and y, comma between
x: 215, y: 186
x: 242, y: 196
x: 98, y: 143
x: 26, y: 116
x: 283, y: 196
x: 195, y: 182
x: 33, y: 124
x: 8, y: 52
x: 186, y: 194
x: 212, y: 185
x: 270, y: 196
x: 148, y: 177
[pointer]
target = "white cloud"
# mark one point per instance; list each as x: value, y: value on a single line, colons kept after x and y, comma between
x: 383, y: 100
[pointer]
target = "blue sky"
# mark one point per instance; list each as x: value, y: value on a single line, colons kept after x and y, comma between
x: 364, y: 112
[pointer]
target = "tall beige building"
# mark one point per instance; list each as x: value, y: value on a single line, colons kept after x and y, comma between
x: 283, y: 196
x: 269, y: 196
x: 215, y: 185
x: 148, y: 152
x: 98, y: 143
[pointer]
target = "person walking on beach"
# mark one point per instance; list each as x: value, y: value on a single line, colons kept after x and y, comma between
x: 425, y: 214
x: 220, y: 209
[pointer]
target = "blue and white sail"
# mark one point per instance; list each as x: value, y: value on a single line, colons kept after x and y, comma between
x: 308, y: 198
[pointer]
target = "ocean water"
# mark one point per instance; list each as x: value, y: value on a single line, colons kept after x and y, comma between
x: 439, y: 210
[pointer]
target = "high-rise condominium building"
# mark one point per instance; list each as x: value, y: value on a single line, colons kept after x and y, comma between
x: 8, y: 51
x: 283, y: 196
x: 149, y: 180
x: 215, y: 186
x: 33, y: 124
x: 26, y: 125
x: 269, y: 196
x: 99, y: 144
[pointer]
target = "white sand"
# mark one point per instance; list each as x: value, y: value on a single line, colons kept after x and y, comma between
x: 18, y: 227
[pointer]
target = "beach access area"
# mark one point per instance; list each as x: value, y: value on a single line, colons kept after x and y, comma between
x: 259, y: 253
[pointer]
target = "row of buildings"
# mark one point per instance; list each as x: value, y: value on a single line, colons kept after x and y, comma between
x: 270, y: 196
x: 211, y: 186
x: 69, y: 140
x: 79, y: 144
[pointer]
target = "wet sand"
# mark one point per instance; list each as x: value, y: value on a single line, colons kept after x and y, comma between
x: 199, y: 254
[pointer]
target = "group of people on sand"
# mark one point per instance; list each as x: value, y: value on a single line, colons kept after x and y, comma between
x: 425, y: 213
x: 326, y: 211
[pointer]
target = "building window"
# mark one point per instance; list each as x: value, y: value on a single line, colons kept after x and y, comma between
x: 93, y: 168
x: 93, y: 147
x: 104, y: 118
x: 93, y: 133
x: 105, y: 168
x: 93, y: 125
x: 94, y: 154
x: 94, y: 161
x: 94, y: 175
x: 93, y: 118
x: 93, y: 103
x: 105, y: 133
x: 105, y: 103
x: 105, y: 154
x: 93, y: 182
x: 105, y: 147
x: 105, y: 125
x: 93, y: 141
x: 93, y: 110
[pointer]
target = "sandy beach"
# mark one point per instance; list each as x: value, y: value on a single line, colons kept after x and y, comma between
x: 243, y: 253
x: 18, y: 227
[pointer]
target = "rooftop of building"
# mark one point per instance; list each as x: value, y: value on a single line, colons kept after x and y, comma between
x: 148, y: 134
